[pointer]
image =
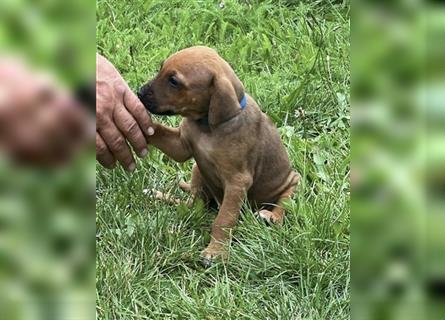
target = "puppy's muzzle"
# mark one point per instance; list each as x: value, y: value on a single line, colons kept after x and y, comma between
x: 145, y: 94
x: 147, y: 97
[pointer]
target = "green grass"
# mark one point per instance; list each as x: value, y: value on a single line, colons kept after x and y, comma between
x: 148, y: 264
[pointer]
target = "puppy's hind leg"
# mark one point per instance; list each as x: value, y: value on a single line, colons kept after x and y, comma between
x: 276, y: 215
x: 196, y: 188
x: 185, y: 186
x: 168, y: 198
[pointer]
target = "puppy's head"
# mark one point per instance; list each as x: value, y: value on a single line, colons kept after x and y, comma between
x: 196, y: 83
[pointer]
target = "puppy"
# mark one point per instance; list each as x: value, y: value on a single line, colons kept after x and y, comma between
x: 237, y: 148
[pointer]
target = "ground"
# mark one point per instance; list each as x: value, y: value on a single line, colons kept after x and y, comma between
x: 293, y: 58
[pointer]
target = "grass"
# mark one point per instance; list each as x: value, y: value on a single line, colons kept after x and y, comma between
x: 293, y: 58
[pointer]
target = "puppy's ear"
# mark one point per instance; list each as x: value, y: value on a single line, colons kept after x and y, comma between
x: 224, y: 103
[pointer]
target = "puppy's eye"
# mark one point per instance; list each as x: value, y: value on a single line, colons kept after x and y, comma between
x: 173, y: 82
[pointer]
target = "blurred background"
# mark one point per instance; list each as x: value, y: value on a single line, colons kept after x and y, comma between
x: 398, y: 166
x: 47, y: 161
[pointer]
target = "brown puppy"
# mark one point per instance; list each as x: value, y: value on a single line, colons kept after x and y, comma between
x: 236, y: 147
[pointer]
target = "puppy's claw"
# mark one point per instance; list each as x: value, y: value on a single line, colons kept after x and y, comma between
x: 185, y: 186
x: 207, y: 258
x: 269, y: 217
x: 158, y: 195
x: 266, y: 215
x: 211, y: 253
x: 206, y: 262
x: 154, y: 192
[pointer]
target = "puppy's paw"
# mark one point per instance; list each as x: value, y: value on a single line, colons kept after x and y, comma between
x: 159, y: 195
x: 153, y: 192
x: 167, y: 198
x: 270, y: 217
x: 185, y: 186
x: 209, y: 254
x: 206, y: 262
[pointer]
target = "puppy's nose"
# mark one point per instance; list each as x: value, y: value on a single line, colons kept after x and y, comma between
x: 144, y: 91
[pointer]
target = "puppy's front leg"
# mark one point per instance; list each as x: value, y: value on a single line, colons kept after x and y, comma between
x: 169, y: 141
x: 234, y: 194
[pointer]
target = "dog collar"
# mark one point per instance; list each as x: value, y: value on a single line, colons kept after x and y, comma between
x: 243, y: 102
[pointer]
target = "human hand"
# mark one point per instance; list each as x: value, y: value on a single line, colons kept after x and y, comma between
x: 120, y: 119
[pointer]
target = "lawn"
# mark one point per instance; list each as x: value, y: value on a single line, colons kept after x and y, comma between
x: 293, y: 58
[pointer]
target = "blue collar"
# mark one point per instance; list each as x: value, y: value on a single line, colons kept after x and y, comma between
x: 243, y: 102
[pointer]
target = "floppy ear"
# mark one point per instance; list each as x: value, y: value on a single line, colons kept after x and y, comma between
x: 224, y: 103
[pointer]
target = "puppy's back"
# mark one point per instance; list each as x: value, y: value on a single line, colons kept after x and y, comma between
x: 272, y: 169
